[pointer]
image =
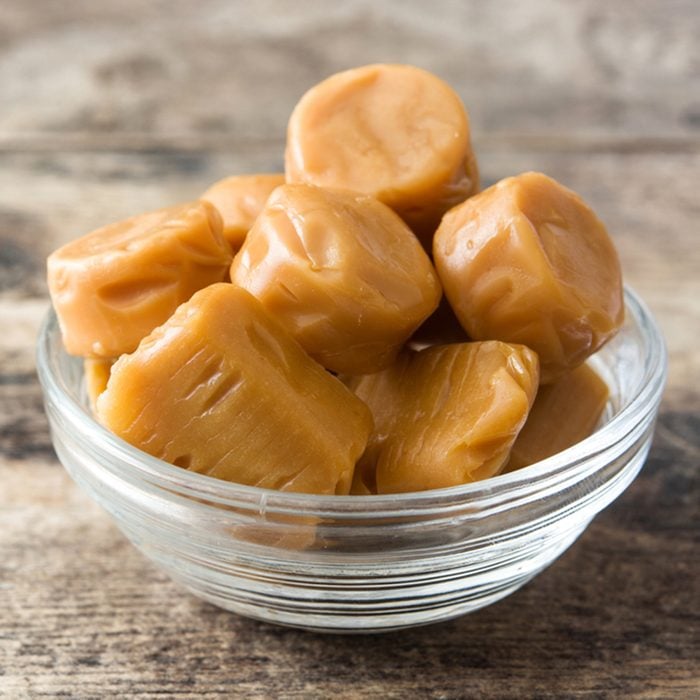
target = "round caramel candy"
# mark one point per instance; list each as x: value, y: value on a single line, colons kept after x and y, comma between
x: 341, y: 271
x: 395, y: 132
x: 239, y: 199
x: 115, y: 285
x: 527, y: 261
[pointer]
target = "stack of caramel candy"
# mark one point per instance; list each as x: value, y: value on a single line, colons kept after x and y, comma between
x: 289, y: 331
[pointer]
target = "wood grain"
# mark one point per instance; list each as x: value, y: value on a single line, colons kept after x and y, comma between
x: 109, y: 109
x: 177, y: 68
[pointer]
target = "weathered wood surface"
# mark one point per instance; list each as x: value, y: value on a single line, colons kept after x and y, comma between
x: 108, y: 111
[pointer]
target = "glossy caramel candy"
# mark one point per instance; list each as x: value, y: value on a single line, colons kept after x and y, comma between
x: 395, y: 132
x: 239, y: 199
x: 115, y: 285
x: 563, y: 414
x: 526, y: 261
x: 341, y: 271
x: 222, y: 389
x: 444, y: 416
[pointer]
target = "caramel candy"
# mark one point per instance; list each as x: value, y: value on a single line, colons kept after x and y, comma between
x: 444, y: 416
x: 96, y: 371
x: 526, y: 261
x: 222, y: 389
x: 395, y: 132
x: 341, y: 271
x: 115, y: 285
x: 240, y: 199
x: 563, y: 414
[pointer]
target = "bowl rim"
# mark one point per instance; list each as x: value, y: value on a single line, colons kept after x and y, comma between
x: 148, y: 470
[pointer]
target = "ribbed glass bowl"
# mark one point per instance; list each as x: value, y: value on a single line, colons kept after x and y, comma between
x: 361, y: 563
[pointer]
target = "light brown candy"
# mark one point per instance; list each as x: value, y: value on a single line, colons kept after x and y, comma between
x: 395, y: 132
x: 341, y: 271
x: 115, y: 285
x: 239, y: 199
x: 526, y: 261
x: 223, y: 390
x: 563, y: 414
x: 444, y: 416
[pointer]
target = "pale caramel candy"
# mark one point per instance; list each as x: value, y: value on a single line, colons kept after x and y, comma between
x: 527, y: 261
x: 563, y: 414
x: 222, y: 389
x: 395, y: 132
x: 341, y: 271
x: 444, y: 416
x: 239, y: 199
x: 115, y: 285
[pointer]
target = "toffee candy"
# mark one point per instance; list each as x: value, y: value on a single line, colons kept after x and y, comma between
x: 341, y: 272
x: 222, y: 389
x: 444, y: 416
x: 115, y: 285
x: 526, y: 261
x: 395, y: 132
x: 563, y: 414
x: 240, y: 199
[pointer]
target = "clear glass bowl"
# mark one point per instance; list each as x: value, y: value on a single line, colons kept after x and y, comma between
x: 361, y: 563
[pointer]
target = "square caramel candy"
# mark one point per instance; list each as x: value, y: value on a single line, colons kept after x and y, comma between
x: 222, y: 389
x: 341, y: 271
x: 395, y: 132
x: 527, y: 261
x: 113, y: 286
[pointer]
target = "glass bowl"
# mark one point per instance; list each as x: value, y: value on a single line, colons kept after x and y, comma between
x: 361, y: 563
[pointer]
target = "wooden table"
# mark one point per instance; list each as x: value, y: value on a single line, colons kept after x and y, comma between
x: 109, y: 111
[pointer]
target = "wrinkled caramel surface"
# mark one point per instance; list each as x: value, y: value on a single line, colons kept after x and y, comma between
x: 240, y: 199
x: 563, y: 414
x: 341, y: 271
x: 526, y: 261
x: 395, y: 132
x: 113, y: 286
x: 222, y: 389
x: 444, y: 416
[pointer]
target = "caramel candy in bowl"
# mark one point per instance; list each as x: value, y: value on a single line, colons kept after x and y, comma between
x: 527, y: 261
x: 395, y: 132
x: 223, y: 390
x: 444, y: 416
x: 341, y: 271
x: 113, y: 286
